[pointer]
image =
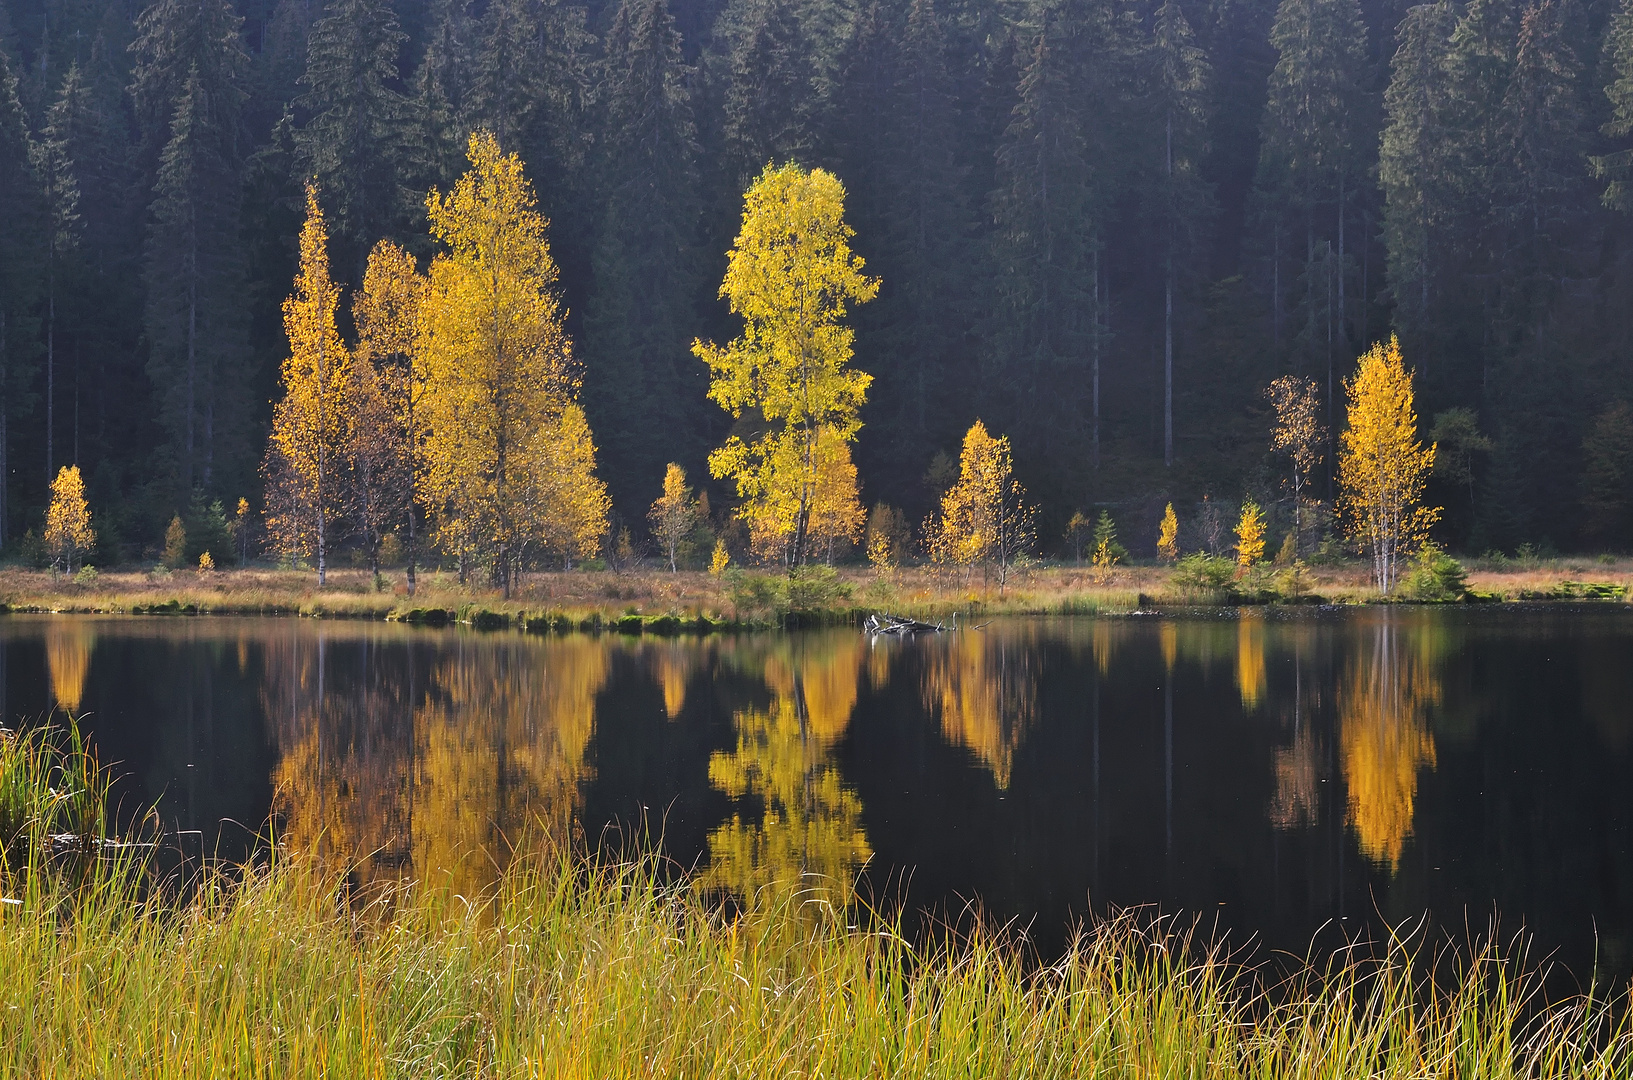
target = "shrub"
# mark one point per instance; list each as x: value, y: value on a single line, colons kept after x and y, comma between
x: 1436, y: 577
x: 1204, y: 577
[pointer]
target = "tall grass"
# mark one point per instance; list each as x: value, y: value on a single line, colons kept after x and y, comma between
x: 577, y: 969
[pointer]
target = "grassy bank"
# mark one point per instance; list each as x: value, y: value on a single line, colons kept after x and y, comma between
x: 571, y: 969
x: 696, y: 600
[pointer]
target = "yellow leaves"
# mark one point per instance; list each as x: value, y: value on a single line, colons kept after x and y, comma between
x: 68, y: 529
x: 310, y: 423
x: 1250, y: 529
x: 1382, y: 468
x: 508, y: 456
x: 983, y: 515
x: 1168, y: 535
x: 1384, y: 736
x: 791, y: 276
x: 673, y: 514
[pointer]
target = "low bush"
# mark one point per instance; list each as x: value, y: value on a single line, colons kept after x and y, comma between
x: 1436, y: 577
x: 1204, y: 579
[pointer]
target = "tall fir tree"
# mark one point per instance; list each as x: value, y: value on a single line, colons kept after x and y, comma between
x: 353, y: 142
x: 1180, y: 104
x: 195, y: 317
x: 51, y: 156
x: 1311, y: 159
x: 641, y: 386
x: 22, y: 229
x: 770, y: 102
x: 1413, y: 161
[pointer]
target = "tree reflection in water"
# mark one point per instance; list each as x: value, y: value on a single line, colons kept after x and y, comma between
x: 429, y: 761
x: 809, y: 834
x: 985, y: 688
x: 68, y: 645
x: 1384, y: 698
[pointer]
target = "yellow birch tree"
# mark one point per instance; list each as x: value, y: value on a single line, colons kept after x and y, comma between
x: 1299, y: 434
x: 387, y: 313
x: 1168, y: 535
x: 68, y: 530
x: 500, y: 383
x: 310, y: 424
x: 1382, y: 467
x: 791, y: 276
x: 984, y: 516
x: 1250, y: 530
x: 673, y: 514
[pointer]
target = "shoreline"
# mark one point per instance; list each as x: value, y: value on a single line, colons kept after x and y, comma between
x: 694, y: 602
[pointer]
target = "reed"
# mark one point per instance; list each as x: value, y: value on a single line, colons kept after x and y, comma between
x: 575, y: 968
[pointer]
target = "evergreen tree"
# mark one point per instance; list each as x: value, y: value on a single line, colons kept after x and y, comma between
x: 1413, y: 162
x: 1310, y: 152
x: 194, y: 312
x: 641, y: 386
x: 1180, y: 80
x: 21, y: 256
x: 54, y: 167
x: 179, y: 43
x: 352, y: 145
x: 1619, y: 60
x: 770, y: 102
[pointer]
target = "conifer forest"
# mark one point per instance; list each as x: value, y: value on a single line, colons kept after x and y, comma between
x: 1101, y: 228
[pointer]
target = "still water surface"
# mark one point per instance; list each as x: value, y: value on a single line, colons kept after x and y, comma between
x: 1277, y: 772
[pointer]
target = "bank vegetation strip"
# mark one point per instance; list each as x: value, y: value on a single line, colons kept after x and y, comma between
x: 577, y: 968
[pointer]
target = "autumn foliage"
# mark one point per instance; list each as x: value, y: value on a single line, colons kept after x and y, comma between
x: 458, y: 402
x: 791, y: 277
x: 1382, y: 467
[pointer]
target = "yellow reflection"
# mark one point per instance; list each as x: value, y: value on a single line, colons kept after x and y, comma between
x: 438, y: 768
x: 985, y: 686
x: 1383, y: 704
x: 1168, y: 636
x: 68, y: 645
x: 809, y: 835
x: 672, y: 665
x: 1250, y: 660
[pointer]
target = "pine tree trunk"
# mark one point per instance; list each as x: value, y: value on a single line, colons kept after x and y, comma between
x: 50, y: 367
x: 1168, y: 315
x: 5, y: 372
x: 1094, y: 452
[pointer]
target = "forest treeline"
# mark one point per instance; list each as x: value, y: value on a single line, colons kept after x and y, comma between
x: 1103, y: 227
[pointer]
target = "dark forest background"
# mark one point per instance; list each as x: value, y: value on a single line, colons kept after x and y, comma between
x: 1062, y: 198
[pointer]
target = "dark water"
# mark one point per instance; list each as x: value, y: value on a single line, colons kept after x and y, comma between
x: 1280, y: 773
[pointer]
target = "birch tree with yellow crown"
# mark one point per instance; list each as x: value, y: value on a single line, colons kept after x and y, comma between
x: 791, y: 276
x: 1382, y: 467
x: 509, y: 460
x: 309, y: 426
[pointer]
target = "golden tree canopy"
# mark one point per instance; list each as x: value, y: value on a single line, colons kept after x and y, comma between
x: 1168, y: 535
x: 983, y: 515
x: 673, y: 514
x: 68, y: 529
x: 310, y: 423
x: 1250, y: 530
x: 500, y: 383
x: 1382, y: 467
x: 791, y: 276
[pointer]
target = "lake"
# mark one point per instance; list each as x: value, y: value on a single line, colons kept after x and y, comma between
x: 1286, y: 776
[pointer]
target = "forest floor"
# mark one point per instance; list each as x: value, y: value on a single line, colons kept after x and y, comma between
x: 604, y: 597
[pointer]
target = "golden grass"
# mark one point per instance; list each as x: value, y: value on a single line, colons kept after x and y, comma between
x: 925, y: 592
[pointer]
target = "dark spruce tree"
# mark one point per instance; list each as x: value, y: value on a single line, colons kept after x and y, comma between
x: 195, y: 317
x: 356, y: 131
x: 643, y: 389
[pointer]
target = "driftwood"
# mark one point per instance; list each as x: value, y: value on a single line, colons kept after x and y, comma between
x: 882, y: 623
